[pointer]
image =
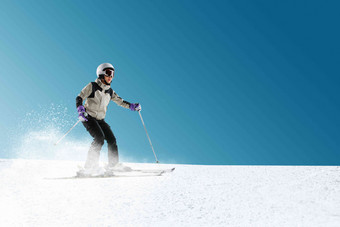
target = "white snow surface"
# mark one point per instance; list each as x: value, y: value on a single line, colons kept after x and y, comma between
x: 192, y: 195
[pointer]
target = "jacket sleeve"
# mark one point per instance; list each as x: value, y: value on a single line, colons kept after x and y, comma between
x: 86, y: 92
x: 119, y: 101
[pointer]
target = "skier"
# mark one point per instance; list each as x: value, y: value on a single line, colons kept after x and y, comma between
x: 98, y: 95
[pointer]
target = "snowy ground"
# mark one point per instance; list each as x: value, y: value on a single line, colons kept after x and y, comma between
x: 190, y: 196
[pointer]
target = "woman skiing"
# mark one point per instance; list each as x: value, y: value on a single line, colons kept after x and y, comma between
x: 98, y: 95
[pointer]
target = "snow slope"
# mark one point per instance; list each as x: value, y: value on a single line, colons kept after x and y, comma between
x: 190, y: 196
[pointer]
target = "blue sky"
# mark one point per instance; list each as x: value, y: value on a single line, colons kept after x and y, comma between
x: 220, y: 82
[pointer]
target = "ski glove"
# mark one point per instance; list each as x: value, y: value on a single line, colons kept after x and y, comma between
x: 81, y: 113
x: 135, y: 107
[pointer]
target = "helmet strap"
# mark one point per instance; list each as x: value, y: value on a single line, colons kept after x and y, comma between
x: 102, y: 79
x: 106, y: 82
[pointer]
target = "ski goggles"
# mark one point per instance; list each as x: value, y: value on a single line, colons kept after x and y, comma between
x: 109, y: 72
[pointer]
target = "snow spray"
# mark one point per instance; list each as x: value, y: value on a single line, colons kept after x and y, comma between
x: 41, y: 128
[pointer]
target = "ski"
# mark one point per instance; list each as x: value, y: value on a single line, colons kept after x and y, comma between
x: 129, y: 170
x: 111, y: 175
x: 131, y: 173
x: 122, y: 174
x: 154, y: 170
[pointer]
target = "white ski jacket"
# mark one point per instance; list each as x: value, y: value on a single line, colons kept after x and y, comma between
x: 98, y: 96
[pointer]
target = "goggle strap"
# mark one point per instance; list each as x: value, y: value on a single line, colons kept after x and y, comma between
x: 109, y: 68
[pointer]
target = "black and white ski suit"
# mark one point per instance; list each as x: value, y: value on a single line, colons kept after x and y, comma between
x: 98, y: 96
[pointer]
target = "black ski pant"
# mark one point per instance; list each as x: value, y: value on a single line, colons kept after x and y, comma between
x: 100, y: 131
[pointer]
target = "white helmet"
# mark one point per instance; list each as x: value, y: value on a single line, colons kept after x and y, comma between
x: 101, y: 68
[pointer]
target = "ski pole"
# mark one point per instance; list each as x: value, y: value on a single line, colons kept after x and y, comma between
x: 67, y: 132
x: 148, y: 137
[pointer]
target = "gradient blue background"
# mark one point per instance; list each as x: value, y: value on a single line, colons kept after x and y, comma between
x: 220, y: 82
